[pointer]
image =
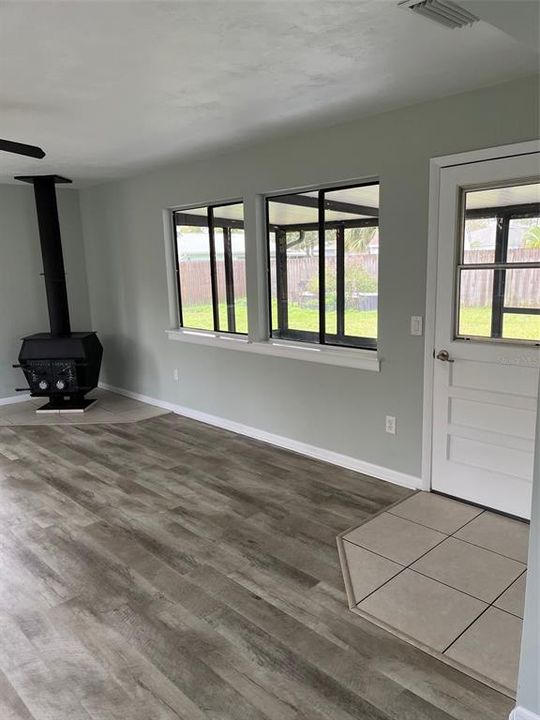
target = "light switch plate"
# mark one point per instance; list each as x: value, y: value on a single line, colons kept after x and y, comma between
x: 416, y: 325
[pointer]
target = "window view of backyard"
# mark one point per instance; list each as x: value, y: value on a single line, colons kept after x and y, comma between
x: 210, y: 248
x: 499, y: 273
x: 348, y: 302
x: 360, y: 286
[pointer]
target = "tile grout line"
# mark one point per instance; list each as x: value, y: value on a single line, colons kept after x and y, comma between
x: 491, y: 605
x: 501, y: 594
x: 404, y: 567
x: 447, y: 536
x: 373, y: 552
x: 464, y: 592
x: 453, y: 533
x: 409, y: 567
x: 465, y: 630
x: 488, y: 549
x: 482, y: 512
x: 429, y: 526
x: 522, y: 572
x: 488, y: 605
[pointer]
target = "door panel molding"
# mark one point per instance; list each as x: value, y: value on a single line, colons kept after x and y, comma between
x: 437, y: 164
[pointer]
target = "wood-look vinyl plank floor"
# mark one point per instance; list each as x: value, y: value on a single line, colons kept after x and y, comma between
x: 165, y: 569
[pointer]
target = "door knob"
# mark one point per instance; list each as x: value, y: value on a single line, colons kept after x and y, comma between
x: 444, y: 356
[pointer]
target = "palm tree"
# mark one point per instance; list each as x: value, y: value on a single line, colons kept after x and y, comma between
x: 531, y: 239
x: 356, y: 239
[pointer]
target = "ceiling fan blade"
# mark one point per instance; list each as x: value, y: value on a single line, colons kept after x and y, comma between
x: 21, y: 149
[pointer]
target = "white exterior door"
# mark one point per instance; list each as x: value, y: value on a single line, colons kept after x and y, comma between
x: 487, y: 332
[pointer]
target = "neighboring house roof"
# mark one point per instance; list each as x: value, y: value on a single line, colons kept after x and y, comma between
x: 484, y: 238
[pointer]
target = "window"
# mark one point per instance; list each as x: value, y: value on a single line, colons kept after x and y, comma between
x: 498, y: 276
x: 210, y: 268
x: 323, y: 266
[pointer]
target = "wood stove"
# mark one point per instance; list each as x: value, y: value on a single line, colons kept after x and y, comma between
x: 60, y: 365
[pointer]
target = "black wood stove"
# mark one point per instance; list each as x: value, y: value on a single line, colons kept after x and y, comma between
x: 61, y: 365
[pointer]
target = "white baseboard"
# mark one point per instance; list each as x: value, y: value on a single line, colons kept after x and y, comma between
x: 329, y: 456
x: 15, y: 399
x: 520, y: 713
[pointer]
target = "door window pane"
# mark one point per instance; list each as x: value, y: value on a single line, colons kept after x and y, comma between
x: 479, y: 240
x: 521, y: 327
x: 524, y: 240
x: 501, y: 229
x: 522, y: 288
x: 475, y: 303
x: 522, y: 293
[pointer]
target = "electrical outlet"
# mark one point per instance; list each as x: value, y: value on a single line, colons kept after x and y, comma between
x: 176, y: 376
x: 416, y: 325
x: 390, y: 425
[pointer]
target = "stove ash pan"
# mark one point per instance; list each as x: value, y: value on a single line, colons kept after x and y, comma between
x: 61, y: 368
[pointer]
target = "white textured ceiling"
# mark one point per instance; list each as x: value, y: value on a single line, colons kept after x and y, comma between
x: 108, y: 88
x: 499, y: 197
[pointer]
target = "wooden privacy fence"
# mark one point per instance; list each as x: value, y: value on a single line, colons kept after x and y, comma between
x: 196, y: 284
x: 522, y: 286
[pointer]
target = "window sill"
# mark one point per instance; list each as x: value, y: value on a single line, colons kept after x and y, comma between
x: 345, y: 357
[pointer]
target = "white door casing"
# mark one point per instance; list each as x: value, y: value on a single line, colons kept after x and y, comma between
x: 484, y: 403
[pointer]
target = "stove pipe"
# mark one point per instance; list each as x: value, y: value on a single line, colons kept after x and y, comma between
x: 51, y: 250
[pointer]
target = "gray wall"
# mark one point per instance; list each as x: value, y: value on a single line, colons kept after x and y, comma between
x: 335, y: 408
x: 23, y: 307
x: 528, y: 695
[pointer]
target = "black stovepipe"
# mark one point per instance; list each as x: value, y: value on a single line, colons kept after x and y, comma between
x: 51, y: 251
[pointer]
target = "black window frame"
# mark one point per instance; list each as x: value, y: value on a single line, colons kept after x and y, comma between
x: 339, y: 339
x: 181, y: 217
x: 502, y: 215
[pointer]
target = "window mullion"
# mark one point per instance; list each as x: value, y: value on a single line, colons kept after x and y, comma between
x: 340, y: 280
x: 177, y: 271
x: 281, y: 280
x: 213, y: 273
x: 499, y: 277
x: 322, y: 284
x: 229, y: 278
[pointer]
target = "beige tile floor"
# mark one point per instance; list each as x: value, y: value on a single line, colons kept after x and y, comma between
x: 446, y: 576
x: 108, y: 408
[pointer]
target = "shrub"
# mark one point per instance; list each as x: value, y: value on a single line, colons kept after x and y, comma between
x: 357, y: 280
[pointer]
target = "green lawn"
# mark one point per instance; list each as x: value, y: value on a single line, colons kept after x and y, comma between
x: 474, y: 321
x: 357, y: 323
x: 477, y: 321
x: 200, y: 316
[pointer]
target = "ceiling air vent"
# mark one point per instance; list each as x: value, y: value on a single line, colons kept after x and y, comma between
x: 444, y: 12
